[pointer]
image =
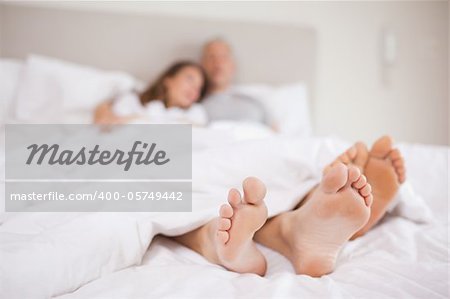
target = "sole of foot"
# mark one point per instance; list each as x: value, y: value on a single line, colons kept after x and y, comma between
x: 237, y: 223
x: 335, y: 210
x: 385, y: 171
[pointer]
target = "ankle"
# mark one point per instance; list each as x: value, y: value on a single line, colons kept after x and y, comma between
x: 286, y: 234
x: 207, y: 241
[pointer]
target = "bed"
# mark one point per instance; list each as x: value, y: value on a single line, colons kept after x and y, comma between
x: 125, y: 255
x: 398, y: 259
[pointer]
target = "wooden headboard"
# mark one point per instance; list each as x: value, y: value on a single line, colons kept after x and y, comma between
x: 144, y: 44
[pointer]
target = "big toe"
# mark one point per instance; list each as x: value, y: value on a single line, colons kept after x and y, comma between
x: 254, y: 190
x: 348, y: 156
x: 335, y: 178
x: 382, y: 147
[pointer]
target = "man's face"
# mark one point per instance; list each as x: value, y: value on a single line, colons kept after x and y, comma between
x: 218, y: 63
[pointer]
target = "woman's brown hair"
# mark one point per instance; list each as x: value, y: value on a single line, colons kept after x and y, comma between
x: 157, y: 90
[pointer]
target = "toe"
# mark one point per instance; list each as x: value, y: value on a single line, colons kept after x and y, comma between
x: 400, y: 170
x: 348, y: 156
x: 401, y: 173
x: 226, y: 211
x: 351, y: 152
x: 223, y: 236
x: 224, y: 224
x: 335, y: 178
x: 344, y: 158
x: 398, y: 163
x: 362, y: 180
x: 254, y: 190
x: 368, y: 200
x: 331, y: 166
x: 362, y: 155
x: 326, y: 169
x: 382, y: 147
x: 353, y: 174
x: 366, y: 190
x: 395, y: 154
x: 234, y: 197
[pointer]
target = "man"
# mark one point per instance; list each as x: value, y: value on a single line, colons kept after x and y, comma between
x: 225, y: 102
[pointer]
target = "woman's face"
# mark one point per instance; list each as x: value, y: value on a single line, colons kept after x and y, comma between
x: 184, y: 88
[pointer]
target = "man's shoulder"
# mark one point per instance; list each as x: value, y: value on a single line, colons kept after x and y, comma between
x: 234, y: 90
x: 216, y: 96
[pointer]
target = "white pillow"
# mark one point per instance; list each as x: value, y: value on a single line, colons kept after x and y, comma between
x: 287, y: 106
x: 52, y: 89
x: 10, y: 72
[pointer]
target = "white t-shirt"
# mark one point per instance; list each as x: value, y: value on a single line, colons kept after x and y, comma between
x: 156, y: 112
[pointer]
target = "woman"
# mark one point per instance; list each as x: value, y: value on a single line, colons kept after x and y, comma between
x: 172, y: 98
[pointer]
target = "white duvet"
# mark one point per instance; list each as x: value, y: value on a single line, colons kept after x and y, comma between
x: 107, y: 255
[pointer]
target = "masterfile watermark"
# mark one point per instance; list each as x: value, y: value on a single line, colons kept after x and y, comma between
x: 66, y: 142
x: 95, y: 155
x: 98, y: 196
x: 88, y: 168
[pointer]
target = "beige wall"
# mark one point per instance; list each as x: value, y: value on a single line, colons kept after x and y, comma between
x: 356, y: 96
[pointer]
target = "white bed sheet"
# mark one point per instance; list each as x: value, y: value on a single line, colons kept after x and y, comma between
x: 399, y: 258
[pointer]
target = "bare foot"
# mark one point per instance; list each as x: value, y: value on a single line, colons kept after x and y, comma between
x: 237, y: 224
x: 228, y: 239
x: 385, y: 171
x: 315, y: 233
x: 357, y: 155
